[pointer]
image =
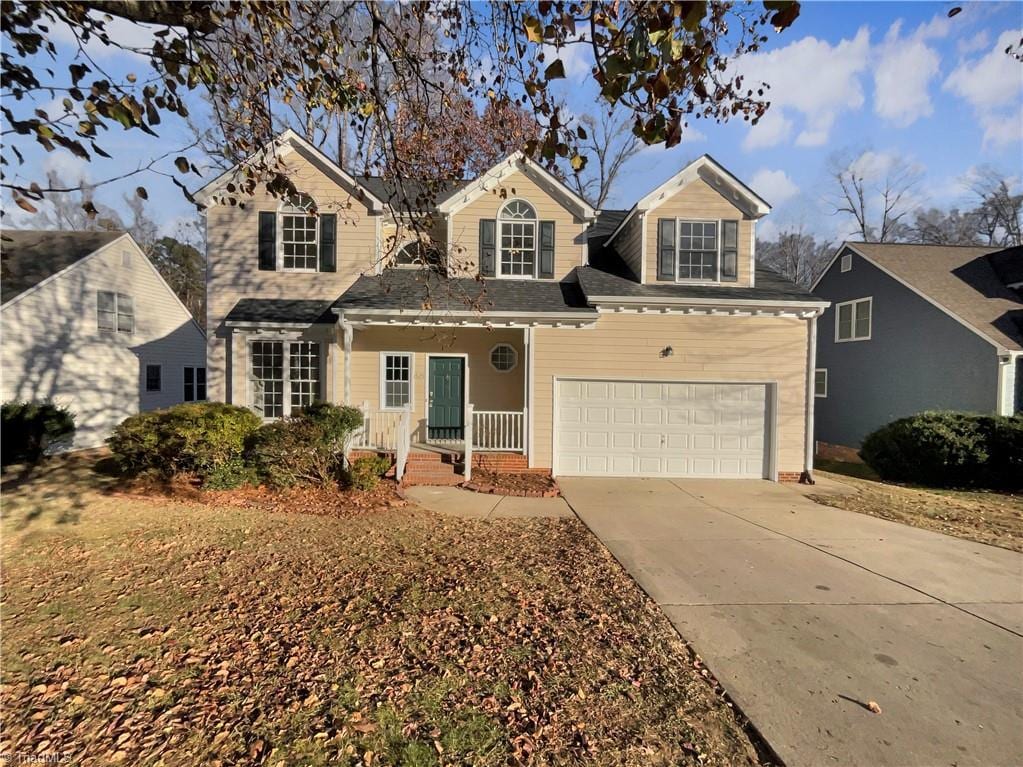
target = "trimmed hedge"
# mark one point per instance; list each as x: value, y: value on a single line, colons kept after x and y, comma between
x: 949, y: 449
x: 202, y: 438
x: 366, y: 471
x: 30, y: 428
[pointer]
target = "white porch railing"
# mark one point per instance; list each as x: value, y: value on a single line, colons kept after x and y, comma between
x: 379, y: 429
x: 498, y: 430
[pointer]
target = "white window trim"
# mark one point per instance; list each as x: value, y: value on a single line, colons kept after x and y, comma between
x: 717, y: 237
x: 870, y: 326
x: 285, y: 371
x: 383, y: 380
x: 515, y: 358
x: 536, y: 241
x: 845, y: 263
x: 825, y: 372
x: 145, y: 383
x: 284, y: 209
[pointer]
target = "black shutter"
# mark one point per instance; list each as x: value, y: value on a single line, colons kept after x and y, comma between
x: 488, y: 247
x: 267, y: 241
x: 666, y: 249
x: 546, y: 248
x: 730, y: 251
x: 328, y: 240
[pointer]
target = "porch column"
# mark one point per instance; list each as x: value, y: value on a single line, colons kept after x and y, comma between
x: 237, y: 389
x: 349, y: 333
x: 527, y: 401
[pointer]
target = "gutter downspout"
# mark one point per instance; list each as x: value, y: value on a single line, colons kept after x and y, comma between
x: 811, y: 366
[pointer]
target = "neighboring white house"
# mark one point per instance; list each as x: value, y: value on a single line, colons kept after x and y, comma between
x: 89, y: 323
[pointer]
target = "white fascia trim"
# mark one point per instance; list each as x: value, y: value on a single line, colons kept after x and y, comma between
x: 288, y: 325
x: 1001, y: 349
x: 516, y: 161
x: 683, y: 302
x: 456, y: 317
x: 293, y: 141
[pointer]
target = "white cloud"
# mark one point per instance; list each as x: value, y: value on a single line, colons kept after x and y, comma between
x: 69, y: 169
x: 773, y: 128
x: 903, y: 74
x: 810, y: 78
x: 575, y: 56
x: 773, y: 185
x: 767, y: 230
x: 993, y: 85
x: 126, y: 34
x: 977, y: 42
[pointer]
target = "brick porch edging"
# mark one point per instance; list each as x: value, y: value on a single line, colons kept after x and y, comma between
x: 486, y: 487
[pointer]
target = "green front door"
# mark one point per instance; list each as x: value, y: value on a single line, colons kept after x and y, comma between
x: 446, y: 408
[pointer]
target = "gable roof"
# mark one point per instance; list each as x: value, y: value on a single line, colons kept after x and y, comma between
x: 960, y: 280
x: 287, y: 141
x: 714, y: 173
x: 517, y: 161
x: 421, y: 194
x: 30, y: 256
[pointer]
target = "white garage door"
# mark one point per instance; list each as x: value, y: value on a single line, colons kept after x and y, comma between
x: 650, y: 429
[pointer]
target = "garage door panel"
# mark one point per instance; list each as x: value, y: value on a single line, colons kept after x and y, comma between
x: 661, y: 429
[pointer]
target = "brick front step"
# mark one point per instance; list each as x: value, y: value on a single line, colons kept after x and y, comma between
x: 432, y: 479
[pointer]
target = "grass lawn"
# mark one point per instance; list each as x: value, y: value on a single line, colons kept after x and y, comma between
x: 985, y: 517
x: 160, y: 632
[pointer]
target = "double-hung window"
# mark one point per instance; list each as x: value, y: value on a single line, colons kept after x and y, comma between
x: 115, y: 312
x: 284, y: 376
x: 195, y: 384
x: 395, y: 380
x: 853, y: 320
x: 517, y: 240
x: 153, y: 378
x: 698, y: 250
x: 820, y: 382
x: 299, y: 236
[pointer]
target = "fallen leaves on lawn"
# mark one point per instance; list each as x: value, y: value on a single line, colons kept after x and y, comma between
x: 226, y: 633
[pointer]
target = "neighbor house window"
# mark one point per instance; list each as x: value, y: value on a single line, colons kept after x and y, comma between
x: 846, y: 265
x: 115, y: 312
x: 820, y: 382
x: 503, y: 358
x: 153, y: 375
x: 697, y: 250
x: 299, y: 235
x: 396, y: 380
x: 517, y: 240
x: 195, y: 384
x: 853, y: 319
x: 284, y: 376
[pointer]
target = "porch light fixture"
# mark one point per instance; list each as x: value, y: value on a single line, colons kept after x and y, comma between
x: 667, y: 351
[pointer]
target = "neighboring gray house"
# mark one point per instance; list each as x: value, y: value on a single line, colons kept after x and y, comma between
x: 919, y: 327
x: 88, y: 322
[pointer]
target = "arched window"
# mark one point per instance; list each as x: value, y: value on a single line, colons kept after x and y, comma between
x: 517, y: 240
x: 299, y: 234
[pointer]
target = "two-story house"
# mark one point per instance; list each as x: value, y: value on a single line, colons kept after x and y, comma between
x: 915, y: 328
x: 644, y: 342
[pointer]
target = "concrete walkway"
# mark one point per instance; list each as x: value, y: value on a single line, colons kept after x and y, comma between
x: 806, y: 613
x: 465, y: 503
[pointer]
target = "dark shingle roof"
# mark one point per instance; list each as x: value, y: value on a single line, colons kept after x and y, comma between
x: 1008, y: 264
x: 290, y: 311
x: 422, y: 194
x: 770, y: 286
x: 961, y: 279
x: 27, y: 257
x: 602, y: 256
x: 423, y: 290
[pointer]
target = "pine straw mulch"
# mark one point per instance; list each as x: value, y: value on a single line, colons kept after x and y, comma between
x: 985, y: 517
x: 529, y: 484
x: 155, y: 631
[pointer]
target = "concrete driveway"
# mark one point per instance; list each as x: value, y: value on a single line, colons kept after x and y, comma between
x: 806, y: 613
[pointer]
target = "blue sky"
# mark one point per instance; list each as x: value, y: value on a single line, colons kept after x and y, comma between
x: 876, y: 82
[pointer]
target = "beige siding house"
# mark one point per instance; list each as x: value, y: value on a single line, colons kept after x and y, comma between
x: 89, y: 323
x: 580, y: 342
